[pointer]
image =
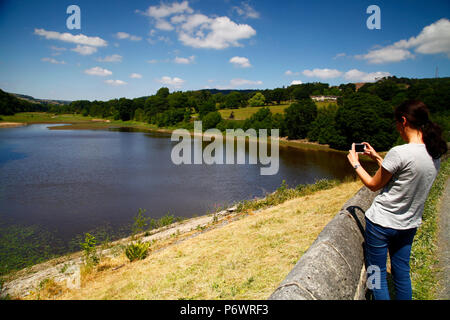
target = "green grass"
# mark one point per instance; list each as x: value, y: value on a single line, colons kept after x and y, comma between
x: 42, y: 117
x: 245, y: 113
x: 284, y: 193
x: 424, y: 257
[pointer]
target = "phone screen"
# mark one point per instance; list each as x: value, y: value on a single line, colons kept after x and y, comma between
x: 359, y: 147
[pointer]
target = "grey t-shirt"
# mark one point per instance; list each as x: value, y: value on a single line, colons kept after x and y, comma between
x: 400, y: 203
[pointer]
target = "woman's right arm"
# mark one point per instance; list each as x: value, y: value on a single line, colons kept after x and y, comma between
x: 370, y: 151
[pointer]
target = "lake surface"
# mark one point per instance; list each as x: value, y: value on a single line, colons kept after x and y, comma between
x: 75, y: 181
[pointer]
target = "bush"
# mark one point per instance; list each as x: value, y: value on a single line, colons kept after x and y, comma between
x: 137, y: 251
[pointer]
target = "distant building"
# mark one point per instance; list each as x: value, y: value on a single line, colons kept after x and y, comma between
x: 324, y: 98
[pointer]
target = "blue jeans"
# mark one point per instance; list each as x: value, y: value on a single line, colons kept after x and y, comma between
x: 378, y: 240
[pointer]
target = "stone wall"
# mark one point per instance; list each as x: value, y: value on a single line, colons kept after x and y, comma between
x: 333, y: 267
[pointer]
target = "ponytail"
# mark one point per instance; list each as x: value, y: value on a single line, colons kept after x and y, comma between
x: 417, y: 114
x: 432, y: 137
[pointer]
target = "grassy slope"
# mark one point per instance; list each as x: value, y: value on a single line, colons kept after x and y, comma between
x: 244, y: 259
x: 424, y: 253
x: 245, y: 113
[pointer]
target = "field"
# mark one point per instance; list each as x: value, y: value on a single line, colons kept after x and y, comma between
x: 247, y: 112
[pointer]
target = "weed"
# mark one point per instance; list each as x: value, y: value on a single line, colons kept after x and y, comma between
x: 137, y: 251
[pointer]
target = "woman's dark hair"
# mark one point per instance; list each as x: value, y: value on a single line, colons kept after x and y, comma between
x: 418, y: 116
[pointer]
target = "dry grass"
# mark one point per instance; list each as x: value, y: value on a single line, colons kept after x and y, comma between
x: 244, y: 259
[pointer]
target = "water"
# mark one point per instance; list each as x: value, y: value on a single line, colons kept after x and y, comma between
x: 74, y: 181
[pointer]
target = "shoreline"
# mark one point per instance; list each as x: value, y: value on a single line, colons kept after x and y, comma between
x: 106, y: 124
x: 25, y: 283
x: 12, y: 124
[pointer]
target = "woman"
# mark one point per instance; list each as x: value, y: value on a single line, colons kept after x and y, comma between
x: 406, y: 175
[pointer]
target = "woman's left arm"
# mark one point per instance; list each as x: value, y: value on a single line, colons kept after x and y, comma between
x: 375, y: 183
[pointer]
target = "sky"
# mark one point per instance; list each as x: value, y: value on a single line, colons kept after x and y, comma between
x: 132, y: 48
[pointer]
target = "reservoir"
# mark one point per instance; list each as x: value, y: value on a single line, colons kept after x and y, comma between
x: 69, y: 182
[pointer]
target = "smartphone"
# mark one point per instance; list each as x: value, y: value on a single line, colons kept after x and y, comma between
x: 359, y: 147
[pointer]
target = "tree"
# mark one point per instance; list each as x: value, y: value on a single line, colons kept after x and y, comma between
x: 211, y: 120
x: 259, y: 120
x: 154, y: 105
x: 365, y: 117
x: 298, y: 118
x: 300, y: 92
x: 278, y: 95
x: 323, y: 128
x: 257, y: 100
x: 139, y: 115
x: 177, y: 100
x: 125, y: 109
x: 233, y: 100
x: 206, y: 108
x: 163, y: 92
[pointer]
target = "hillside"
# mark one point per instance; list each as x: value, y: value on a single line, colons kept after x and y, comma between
x: 243, y: 256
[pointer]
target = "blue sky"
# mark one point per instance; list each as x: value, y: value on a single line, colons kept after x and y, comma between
x: 132, y: 48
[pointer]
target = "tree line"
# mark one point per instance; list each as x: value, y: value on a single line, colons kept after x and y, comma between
x: 359, y: 115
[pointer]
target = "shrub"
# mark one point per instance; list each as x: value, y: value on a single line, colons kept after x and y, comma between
x: 137, y: 251
x: 90, y: 252
x: 140, y: 222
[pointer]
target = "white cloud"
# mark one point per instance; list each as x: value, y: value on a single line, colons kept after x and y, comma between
x: 178, y: 19
x: 159, y: 13
x: 247, y: 11
x: 97, y: 71
x: 68, y: 37
x: 322, y: 73
x: 244, y: 82
x: 215, y: 33
x: 184, y: 60
x: 85, y: 50
x: 433, y: 39
x: 51, y: 60
x: 124, y: 35
x: 356, y: 75
x: 291, y: 73
x: 112, y: 58
x: 164, y: 25
x: 164, y: 10
x: 340, y: 55
x: 296, y: 82
x: 152, y: 61
x: 240, y: 62
x: 115, y: 83
x: 135, y: 76
x: 386, y: 55
x: 55, y: 48
x: 198, y: 30
x: 175, y: 82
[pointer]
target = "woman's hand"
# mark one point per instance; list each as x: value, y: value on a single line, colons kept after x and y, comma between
x: 353, y: 156
x: 370, y: 151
